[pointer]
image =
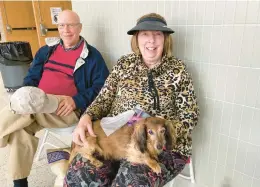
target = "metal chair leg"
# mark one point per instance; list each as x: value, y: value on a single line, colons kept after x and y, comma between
x: 192, y: 178
x: 37, y: 158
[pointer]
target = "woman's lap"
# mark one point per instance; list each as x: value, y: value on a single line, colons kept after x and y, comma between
x: 82, y: 173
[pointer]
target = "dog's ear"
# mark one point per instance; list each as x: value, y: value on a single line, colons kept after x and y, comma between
x: 140, y: 136
x: 170, y: 135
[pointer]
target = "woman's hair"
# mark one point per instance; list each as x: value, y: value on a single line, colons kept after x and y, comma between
x: 167, y: 47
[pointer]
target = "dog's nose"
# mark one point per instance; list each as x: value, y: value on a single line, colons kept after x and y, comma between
x: 159, y: 146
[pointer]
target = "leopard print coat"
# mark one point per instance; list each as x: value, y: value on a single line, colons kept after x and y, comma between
x: 165, y: 90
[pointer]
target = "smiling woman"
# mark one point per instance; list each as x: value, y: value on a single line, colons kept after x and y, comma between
x: 157, y: 82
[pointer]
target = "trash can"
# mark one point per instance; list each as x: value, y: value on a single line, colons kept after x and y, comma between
x: 15, y: 59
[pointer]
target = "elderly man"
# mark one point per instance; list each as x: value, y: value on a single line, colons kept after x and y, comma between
x: 69, y: 68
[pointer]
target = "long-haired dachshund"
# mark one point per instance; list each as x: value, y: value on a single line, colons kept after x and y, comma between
x: 140, y: 143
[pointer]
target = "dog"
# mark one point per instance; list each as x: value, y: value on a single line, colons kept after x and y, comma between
x: 139, y: 143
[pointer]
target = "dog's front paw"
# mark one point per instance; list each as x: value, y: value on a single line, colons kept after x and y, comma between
x: 157, y: 168
x: 97, y: 163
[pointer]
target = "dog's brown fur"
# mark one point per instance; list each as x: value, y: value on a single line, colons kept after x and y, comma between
x: 138, y: 143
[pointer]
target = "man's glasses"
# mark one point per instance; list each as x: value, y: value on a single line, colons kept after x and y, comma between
x: 69, y: 25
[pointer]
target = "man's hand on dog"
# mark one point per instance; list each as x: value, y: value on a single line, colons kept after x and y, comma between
x: 84, y: 126
x: 66, y: 106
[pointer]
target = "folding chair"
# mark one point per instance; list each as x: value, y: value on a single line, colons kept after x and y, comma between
x: 67, y: 131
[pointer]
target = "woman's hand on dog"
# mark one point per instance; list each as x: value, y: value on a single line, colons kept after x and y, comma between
x: 84, y: 126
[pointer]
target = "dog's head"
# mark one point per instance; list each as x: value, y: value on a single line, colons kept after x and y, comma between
x: 154, y: 133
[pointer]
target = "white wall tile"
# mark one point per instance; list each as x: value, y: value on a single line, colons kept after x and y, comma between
x: 216, y: 40
x: 256, y: 183
x: 252, y: 11
x: 236, y: 121
x: 203, y: 80
x: 241, y: 156
x: 183, y: 12
x: 252, y: 87
x: 246, y: 57
x: 228, y: 177
x: 257, y: 166
x: 225, y: 46
x: 231, y: 82
x: 168, y: 11
x: 236, y: 45
x: 221, y: 83
x: 209, y: 173
x: 251, y: 157
x: 237, y: 179
x: 181, y: 41
x: 214, y: 143
x: 247, y: 181
x: 246, y: 123
x: 240, y: 87
x: 256, y: 55
x: 219, y: 12
x: 226, y: 119
x: 219, y: 177
x: 257, y: 104
x: 197, y: 43
x: 211, y: 81
x: 255, y: 128
x: 229, y: 15
x: 217, y: 117
x: 223, y: 148
x: 205, y: 46
x: 174, y: 11
x: 191, y: 18
x: 231, y: 154
x: 241, y: 11
x: 188, y: 52
x: 209, y: 13
x: 200, y: 11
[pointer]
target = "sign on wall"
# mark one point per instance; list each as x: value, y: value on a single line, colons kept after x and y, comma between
x: 54, y: 14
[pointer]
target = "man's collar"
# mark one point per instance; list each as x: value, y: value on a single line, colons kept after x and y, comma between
x: 74, y: 47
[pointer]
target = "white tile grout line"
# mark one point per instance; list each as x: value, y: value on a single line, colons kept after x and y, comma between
x: 211, y: 130
x: 247, y: 142
x: 239, y: 131
x: 254, y: 41
x: 233, y: 103
x: 238, y: 171
x: 229, y: 138
x: 258, y: 90
x: 254, y: 171
x: 217, y: 25
x: 192, y: 57
x: 203, y: 135
x: 227, y: 65
x: 214, y: 181
x: 242, y: 40
x: 247, y: 77
x: 178, y: 30
x: 250, y: 132
x: 185, y: 38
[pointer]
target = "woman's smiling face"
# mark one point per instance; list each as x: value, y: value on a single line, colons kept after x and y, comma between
x: 151, y: 44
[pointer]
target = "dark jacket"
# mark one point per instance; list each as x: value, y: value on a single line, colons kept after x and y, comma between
x: 90, y: 73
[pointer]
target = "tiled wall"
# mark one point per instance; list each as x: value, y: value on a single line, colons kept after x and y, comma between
x: 220, y: 42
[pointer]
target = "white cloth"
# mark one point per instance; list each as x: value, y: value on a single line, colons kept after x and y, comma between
x: 111, y: 124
